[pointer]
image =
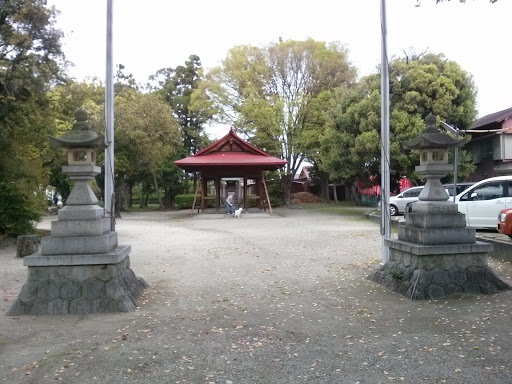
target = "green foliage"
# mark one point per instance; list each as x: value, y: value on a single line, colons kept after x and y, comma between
x: 146, y: 132
x: 465, y: 168
x: 396, y: 274
x: 147, y: 137
x: 21, y: 205
x: 171, y: 178
x: 276, y: 95
x: 252, y: 203
x: 175, y: 86
x: 65, y: 100
x: 418, y: 86
x: 276, y: 195
x: 186, y: 201
x: 30, y: 61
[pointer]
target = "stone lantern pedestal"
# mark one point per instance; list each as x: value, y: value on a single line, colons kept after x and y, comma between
x: 81, y: 268
x: 436, y: 255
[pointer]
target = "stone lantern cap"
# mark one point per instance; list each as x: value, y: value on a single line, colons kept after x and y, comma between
x: 433, y: 138
x: 81, y: 135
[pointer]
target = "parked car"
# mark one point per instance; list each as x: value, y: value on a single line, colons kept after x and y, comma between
x: 459, y: 188
x: 482, y: 202
x: 505, y: 222
x: 397, y: 203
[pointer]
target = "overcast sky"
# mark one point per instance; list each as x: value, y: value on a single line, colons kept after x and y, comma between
x: 153, y: 34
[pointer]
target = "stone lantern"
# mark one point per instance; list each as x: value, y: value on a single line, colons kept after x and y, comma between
x: 81, y: 268
x: 433, y: 147
x: 81, y: 142
x: 436, y: 255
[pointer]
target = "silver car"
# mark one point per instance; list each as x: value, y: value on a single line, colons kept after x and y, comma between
x: 397, y: 203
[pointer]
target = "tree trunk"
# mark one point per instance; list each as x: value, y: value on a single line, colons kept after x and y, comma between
x: 324, y: 187
x: 286, y: 185
x: 117, y: 199
x: 354, y: 196
x: 157, y: 192
x: 187, y: 188
x: 168, y: 198
x: 123, y: 198
x: 335, y: 194
x: 130, y: 196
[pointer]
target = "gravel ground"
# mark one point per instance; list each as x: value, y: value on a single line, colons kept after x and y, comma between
x: 263, y: 299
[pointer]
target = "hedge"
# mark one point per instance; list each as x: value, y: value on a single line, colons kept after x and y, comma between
x: 185, y: 202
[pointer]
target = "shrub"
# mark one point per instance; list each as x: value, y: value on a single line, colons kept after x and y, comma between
x: 185, y: 201
x: 253, y: 203
x: 20, y: 208
x: 276, y: 195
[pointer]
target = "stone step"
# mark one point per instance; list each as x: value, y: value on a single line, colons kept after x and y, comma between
x: 436, y: 236
x: 78, y: 245
x: 81, y: 212
x: 443, y: 220
x: 80, y: 228
x: 114, y: 256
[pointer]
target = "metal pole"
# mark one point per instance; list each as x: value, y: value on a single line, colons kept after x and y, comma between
x: 385, y: 183
x: 109, y: 117
x: 456, y: 131
x: 455, y: 166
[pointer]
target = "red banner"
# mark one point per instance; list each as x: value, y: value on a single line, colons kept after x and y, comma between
x: 364, y: 189
x: 405, y: 183
x: 369, y: 191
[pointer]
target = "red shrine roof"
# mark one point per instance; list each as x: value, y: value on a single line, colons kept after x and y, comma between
x: 230, y: 151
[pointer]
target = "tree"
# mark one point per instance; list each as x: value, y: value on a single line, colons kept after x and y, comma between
x: 428, y: 83
x: 268, y: 94
x: 65, y: 99
x: 146, y: 135
x: 175, y: 86
x: 30, y: 62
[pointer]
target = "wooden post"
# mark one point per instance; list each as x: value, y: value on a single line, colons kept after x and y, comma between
x: 195, y: 195
x: 204, y: 193
x: 266, y: 193
x: 258, y: 193
x: 217, y: 193
x: 246, y: 196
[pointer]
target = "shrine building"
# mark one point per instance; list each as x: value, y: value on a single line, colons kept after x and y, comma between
x: 231, y: 166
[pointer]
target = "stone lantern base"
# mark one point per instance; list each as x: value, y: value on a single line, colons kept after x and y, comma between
x: 434, y: 272
x: 437, y: 256
x: 78, y: 289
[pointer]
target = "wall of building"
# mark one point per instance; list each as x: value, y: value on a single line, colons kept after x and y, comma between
x: 506, y: 142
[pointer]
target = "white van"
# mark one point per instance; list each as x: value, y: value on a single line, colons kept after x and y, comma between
x: 482, y: 202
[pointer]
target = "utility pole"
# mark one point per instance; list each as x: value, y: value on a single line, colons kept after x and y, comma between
x: 455, y: 131
x: 109, y: 198
x: 384, y: 89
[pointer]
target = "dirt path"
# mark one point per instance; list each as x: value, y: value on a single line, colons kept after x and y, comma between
x: 262, y: 299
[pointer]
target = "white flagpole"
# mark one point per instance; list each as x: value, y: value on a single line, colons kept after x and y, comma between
x: 385, y: 184
x: 109, y: 118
